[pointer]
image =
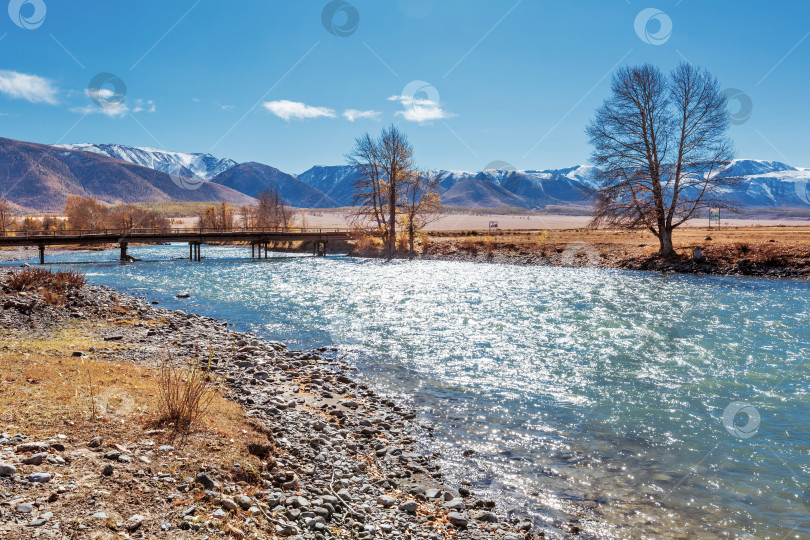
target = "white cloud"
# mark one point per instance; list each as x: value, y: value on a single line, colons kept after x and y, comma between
x: 141, y: 105
x: 288, y: 110
x: 420, y: 110
x: 353, y: 114
x: 29, y: 87
x: 108, y: 103
x: 113, y: 111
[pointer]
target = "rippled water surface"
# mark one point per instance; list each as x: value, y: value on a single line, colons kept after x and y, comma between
x: 638, y: 405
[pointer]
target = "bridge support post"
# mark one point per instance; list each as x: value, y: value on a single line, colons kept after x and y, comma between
x: 190, y: 251
x: 265, y: 250
x: 199, y: 251
x: 252, y: 250
x: 42, y: 254
x: 124, y: 256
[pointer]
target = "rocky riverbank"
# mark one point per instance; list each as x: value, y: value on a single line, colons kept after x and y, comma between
x: 313, y: 453
x: 768, y: 258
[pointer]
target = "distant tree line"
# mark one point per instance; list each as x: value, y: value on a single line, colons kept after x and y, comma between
x: 88, y: 214
x: 83, y: 214
x: 269, y: 212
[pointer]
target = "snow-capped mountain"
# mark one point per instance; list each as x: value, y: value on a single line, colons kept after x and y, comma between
x: 769, y: 184
x: 764, y: 184
x: 336, y: 181
x: 485, y: 189
x: 202, y: 166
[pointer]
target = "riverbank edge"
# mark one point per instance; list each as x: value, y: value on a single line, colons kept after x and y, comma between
x: 583, y: 255
x: 250, y: 383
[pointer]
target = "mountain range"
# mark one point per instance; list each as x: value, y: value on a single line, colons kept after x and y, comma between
x: 40, y: 177
x: 200, y: 166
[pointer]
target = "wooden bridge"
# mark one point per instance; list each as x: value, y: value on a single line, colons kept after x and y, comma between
x: 258, y: 238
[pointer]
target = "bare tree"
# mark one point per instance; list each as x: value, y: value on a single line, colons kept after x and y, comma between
x: 368, y: 186
x: 385, y: 165
x: 660, y: 143
x: 420, y: 204
x: 272, y: 211
x: 5, y: 217
x: 247, y: 215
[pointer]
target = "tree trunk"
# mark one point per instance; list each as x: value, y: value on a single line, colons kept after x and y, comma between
x: 666, y: 242
x: 392, y: 224
x: 410, y: 239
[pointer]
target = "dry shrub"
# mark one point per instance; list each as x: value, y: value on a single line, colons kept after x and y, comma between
x: 53, y: 286
x: 364, y: 241
x: 772, y: 256
x: 541, y: 238
x: 742, y: 248
x: 489, y: 243
x: 185, y: 395
x: 403, y: 242
x: 423, y: 239
x: 469, y: 243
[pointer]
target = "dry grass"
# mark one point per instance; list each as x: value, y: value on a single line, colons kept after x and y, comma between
x: 185, y: 394
x: 53, y: 286
x: 365, y: 242
x: 640, y: 243
x: 44, y: 390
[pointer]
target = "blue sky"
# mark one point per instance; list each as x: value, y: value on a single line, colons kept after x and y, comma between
x: 470, y: 81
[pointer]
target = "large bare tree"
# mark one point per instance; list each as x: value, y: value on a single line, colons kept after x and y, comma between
x: 385, y: 167
x: 660, y: 143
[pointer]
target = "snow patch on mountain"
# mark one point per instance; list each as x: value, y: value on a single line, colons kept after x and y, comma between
x: 201, y: 166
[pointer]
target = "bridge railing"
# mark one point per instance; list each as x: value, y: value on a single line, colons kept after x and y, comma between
x: 174, y: 231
